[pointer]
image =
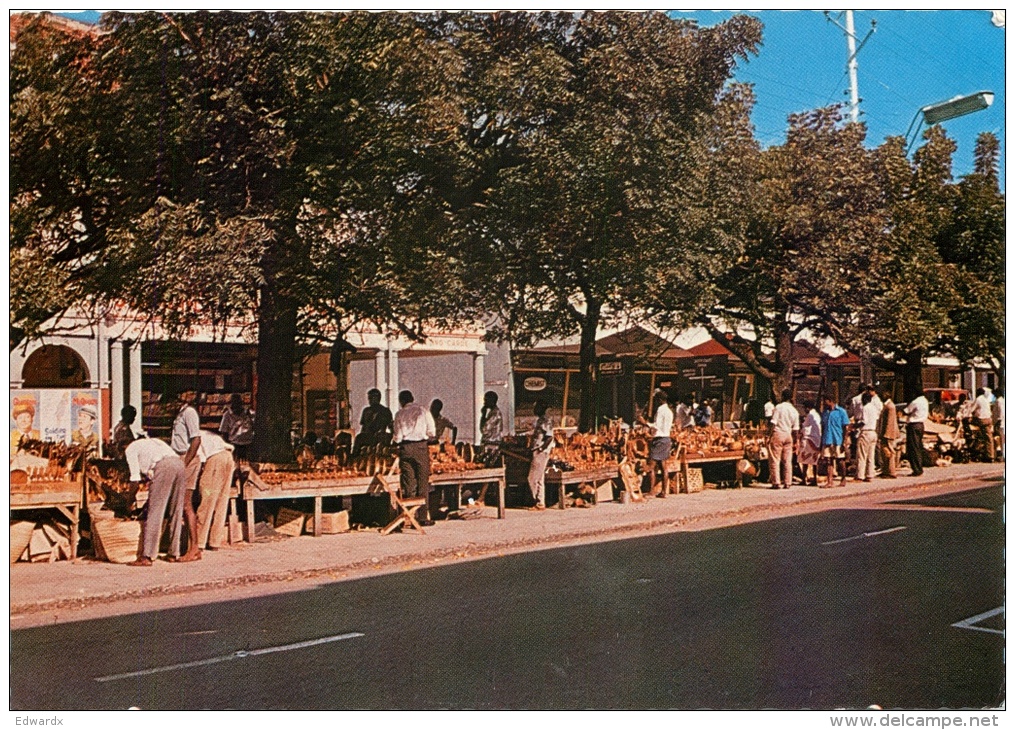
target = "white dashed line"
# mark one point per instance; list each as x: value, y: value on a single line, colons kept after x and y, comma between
x: 241, y: 654
x: 970, y: 623
x: 866, y: 534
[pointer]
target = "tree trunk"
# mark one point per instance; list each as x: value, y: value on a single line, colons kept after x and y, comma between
x: 912, y: 375
x: 784, y: 361
x: 749, y: 354
x: 344, y: 407
x: 276, y: 354
x: 997, y: 365
x: 588, y: 377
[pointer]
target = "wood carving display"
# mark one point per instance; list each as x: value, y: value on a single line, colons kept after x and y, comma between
x: 71, y: 457
x: 447, y: 459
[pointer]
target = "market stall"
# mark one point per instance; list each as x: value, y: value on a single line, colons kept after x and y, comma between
x: 58, y: 493
x: 701, y: 455
x: 482, y: 478
x: 587, y: 464
x: 332, y: 476
x: 46, y: 476
x: 375, y: 472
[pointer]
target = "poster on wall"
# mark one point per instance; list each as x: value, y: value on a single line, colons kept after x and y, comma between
x: 70, y: 416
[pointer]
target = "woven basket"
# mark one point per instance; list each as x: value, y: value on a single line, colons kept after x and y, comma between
x: 117, y: 541
x: 21, y: 535
x: 693, y: 483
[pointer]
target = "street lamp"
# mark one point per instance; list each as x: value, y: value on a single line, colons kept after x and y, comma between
x: 942, y: 111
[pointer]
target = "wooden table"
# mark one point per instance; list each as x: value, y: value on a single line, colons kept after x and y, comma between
x: 459, y: 479
x: 66, y: 497
x: 564, y: 479
x: 315, y: 488
x: 678, y: 467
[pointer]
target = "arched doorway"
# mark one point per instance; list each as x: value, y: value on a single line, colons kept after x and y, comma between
x: 55, y: 366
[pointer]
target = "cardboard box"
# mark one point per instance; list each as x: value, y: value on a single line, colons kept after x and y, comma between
x: 332, y: 523
x: 290, y: 522
x: 604, y: 492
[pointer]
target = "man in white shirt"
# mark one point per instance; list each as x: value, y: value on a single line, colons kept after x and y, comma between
x: 867, y: 444
x: 660, y: 447
x: 856, y: 404
x: 414, y: 427
x: 684, y: 415
x: 997, y: 413
x: 785, y: 425
x: 216, y: 478
x: 156, y: 462
x: 186, y: 441
x: 916, y: 412
x: 982, y: 414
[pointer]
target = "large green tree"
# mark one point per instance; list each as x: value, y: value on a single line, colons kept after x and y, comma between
x: 974, y: 244
x: 259, y: 163
x: 900, y: 311
x: 599, y: 134
x: 817, y: 229
x: 51, y: 134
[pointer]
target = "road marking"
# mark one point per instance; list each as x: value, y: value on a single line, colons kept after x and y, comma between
x: 936, y: 508
x: 241, y: 654
x: 970, y: 623
x: 866, y: 534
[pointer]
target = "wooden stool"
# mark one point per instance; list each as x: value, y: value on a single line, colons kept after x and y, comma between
x: 404, y: 508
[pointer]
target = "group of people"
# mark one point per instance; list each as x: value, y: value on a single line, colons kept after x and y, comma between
x: 869, y: 428
x: 194, y: 462
x: 377, y: 423
x: 823, y: 439
x: 981, y: 419
x: 200, y: 461
x: 412, y: 430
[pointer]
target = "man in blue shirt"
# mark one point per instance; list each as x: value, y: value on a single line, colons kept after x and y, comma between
x: 834, y: 420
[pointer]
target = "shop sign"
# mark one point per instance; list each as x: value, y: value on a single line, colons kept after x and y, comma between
x: 534, y: 384
x: 611, y: 367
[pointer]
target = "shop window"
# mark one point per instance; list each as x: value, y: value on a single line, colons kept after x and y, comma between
x: 322, y: 412
x: 548, y: 386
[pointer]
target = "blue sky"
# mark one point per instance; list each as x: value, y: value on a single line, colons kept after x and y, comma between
x: 914, y: 58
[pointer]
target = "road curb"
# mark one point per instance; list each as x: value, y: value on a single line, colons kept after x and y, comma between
x: 474, y: 551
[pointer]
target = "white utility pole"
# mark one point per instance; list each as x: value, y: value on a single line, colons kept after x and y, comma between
x: 851, y: 64
x: 854, y: 91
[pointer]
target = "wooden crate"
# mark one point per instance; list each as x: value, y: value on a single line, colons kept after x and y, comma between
x: 290, y: 522
x: 332, y: 523
x: 694, y: 482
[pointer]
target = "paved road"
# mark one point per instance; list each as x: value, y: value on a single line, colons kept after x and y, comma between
x: 845, y: 608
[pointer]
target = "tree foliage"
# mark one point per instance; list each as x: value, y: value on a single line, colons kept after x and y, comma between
x: 51, y: 182
x: 559, y: 171
x: 601, y: 131
x: 817, y: 230
x: 258, y: 163
x: 973, y: 243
